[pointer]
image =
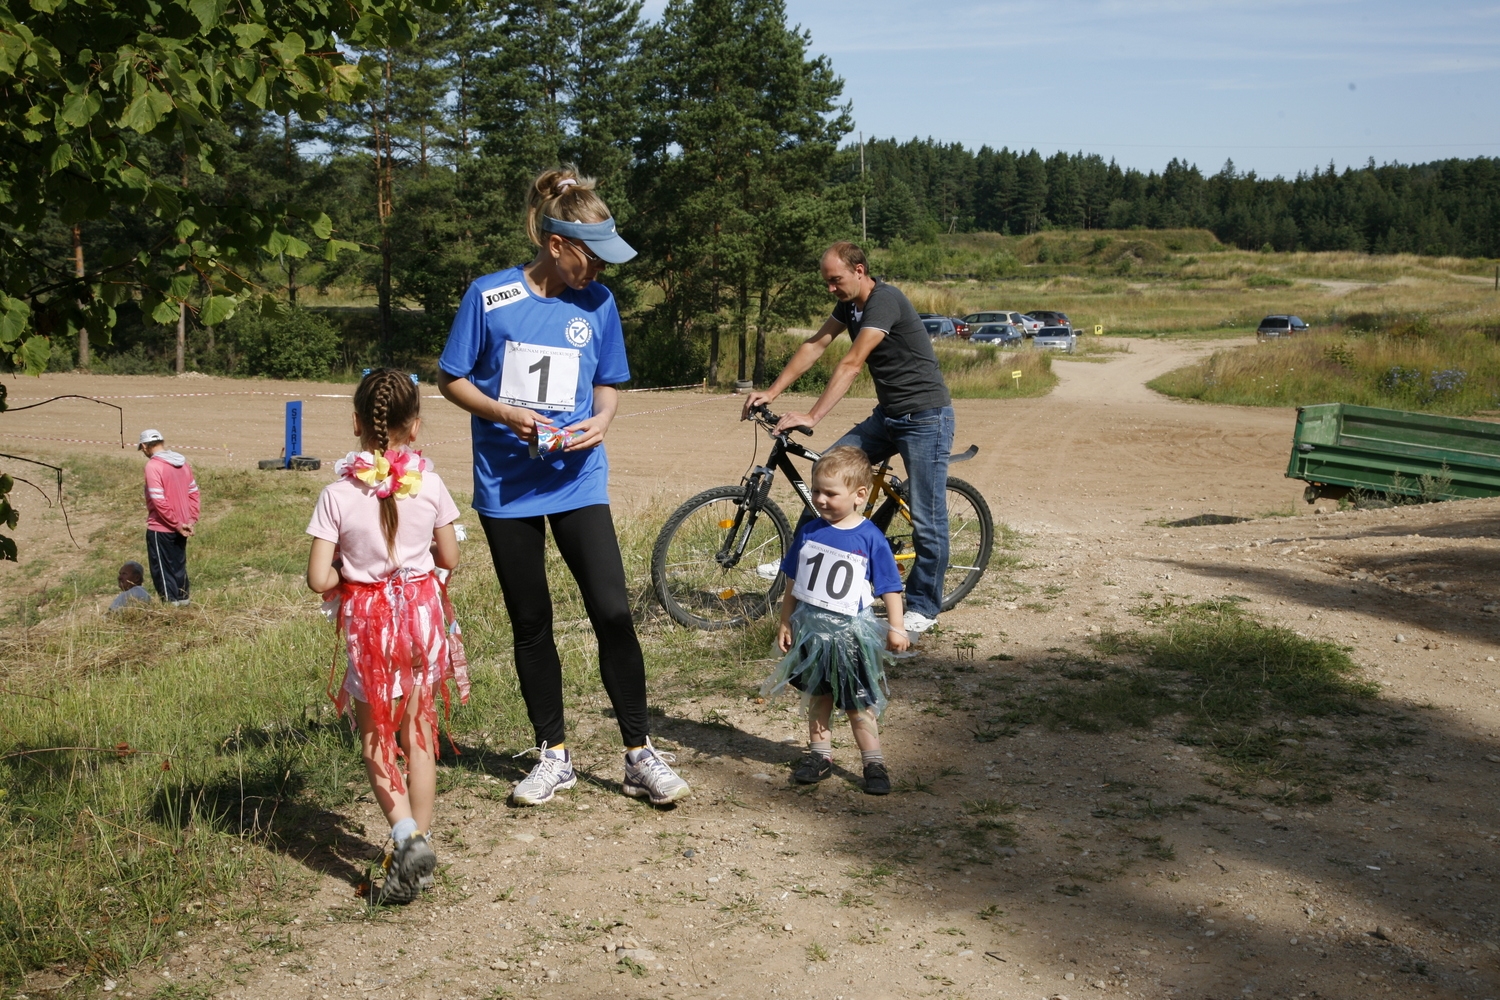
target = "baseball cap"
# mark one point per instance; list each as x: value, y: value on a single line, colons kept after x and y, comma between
x: 150, y: 436
x: 599, y: 237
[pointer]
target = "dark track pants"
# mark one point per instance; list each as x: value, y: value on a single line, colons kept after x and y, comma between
x: 166, y: 551
x: 586, y: 539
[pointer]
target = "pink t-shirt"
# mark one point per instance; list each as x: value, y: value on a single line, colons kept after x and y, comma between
x: 348, y: 514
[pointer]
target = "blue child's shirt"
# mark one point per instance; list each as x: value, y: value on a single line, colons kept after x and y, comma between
x: 502, y: 321
x: 863, y: 540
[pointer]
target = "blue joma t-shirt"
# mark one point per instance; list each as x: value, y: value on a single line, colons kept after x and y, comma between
x: 546, y: 355
x: 864, y: 539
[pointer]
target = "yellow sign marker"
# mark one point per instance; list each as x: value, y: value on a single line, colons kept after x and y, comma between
x: 1098, y: 331
x: 1017, y: 376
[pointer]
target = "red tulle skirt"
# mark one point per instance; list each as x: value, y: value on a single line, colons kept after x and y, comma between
x: 403, y: 642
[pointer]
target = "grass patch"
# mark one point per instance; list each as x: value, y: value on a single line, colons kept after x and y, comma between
x: 166, y: 767
x: 1233, y: 683
x: 1405, y: 364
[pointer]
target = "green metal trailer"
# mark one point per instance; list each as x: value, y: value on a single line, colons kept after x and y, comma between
x: 1338, y: 448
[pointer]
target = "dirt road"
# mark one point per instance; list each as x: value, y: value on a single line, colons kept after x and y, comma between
x: 1136, y: 868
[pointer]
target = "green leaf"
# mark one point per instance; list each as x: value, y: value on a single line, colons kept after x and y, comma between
x: 185, y: 228
x: 334, y: 247
x: 249, y: 34
x: 216, y: 310
x: 60, y: 158
x: 256, y: 95
x: 15, y: 315
x: 207, y: 12
x: 7, y: 549
x: 166, y: 311
x: 33, y: 355
x: 289, y: 48
x: 79, y: 108
x: 322, y: 226
x: 141, y: 114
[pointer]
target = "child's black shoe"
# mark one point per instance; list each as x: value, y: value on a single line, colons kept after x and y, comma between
x: 877, y: 779
x: 814, y: 768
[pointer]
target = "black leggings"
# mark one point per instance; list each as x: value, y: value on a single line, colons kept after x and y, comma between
x: 586, y: 539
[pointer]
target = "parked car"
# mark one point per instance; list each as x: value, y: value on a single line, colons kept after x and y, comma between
x: 939, y: 326
x: 1000, y: 334
x: 1049, y: 318
x: 1020, y: 321
x: 1058, y: 338
x: 1281, y: 326
x: 960, y: 327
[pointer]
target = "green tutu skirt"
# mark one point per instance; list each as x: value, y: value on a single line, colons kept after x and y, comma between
x: 834, y: 654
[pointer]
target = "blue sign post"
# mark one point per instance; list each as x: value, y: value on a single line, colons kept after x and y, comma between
x: 293, y: 432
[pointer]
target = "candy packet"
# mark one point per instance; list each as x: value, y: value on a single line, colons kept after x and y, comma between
x: 550, y: 438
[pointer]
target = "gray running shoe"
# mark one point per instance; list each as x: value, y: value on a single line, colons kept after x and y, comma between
x: 553, y: 773
x: 650, y: 777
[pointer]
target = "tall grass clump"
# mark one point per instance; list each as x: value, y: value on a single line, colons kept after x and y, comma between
x: 1408, y: 364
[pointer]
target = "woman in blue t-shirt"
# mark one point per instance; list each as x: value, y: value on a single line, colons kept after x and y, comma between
x: 534, y: 354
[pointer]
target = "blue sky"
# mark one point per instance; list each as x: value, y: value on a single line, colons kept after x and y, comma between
x: 1278, y: 86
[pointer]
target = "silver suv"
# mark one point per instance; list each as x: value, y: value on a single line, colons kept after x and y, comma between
x: 1020, y: 321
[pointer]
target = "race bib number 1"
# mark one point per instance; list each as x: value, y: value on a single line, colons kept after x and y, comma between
x: 831, y: 579
x: 539, y: 378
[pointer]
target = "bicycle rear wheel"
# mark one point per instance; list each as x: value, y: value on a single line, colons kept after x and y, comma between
x: 971, y: 538
x: 716, y: 564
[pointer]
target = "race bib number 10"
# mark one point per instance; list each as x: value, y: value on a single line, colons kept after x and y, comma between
x: 539, y: 378
x: 831, y: 579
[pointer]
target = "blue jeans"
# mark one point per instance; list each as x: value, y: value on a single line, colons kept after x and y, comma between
x: 923, y: 440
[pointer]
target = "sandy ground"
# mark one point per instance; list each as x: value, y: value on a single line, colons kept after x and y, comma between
x: 755, y: 888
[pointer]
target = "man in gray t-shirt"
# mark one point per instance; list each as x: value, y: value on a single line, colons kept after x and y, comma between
x: 914, y: 417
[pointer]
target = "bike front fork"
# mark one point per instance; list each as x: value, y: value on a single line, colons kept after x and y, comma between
x: 757, y: 488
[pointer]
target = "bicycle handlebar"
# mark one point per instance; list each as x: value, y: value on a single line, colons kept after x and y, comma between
x: 764, y: 416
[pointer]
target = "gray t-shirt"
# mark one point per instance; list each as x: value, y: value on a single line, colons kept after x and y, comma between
x: 903, y: 365
x: 127, y: 597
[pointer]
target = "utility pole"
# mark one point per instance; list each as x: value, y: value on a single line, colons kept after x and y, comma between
x: 864, y: 225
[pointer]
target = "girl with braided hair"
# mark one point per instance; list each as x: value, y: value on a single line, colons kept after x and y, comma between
x: 380, y: 535
x: 535, y: 354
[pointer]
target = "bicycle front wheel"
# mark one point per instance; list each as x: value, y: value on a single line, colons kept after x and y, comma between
x: 717, y: 563
x: 971, y: 538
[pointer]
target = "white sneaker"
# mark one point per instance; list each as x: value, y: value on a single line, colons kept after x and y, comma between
x: 768, y: 571
x: 553, y: 773
x: 916, y: 623
x: 650, y: 777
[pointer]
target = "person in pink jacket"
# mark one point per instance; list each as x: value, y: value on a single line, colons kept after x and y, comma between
x: 171, y: 512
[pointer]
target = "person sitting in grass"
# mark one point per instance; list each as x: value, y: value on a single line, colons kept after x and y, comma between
x: 380, y: 532
x: 132, y: 576
x: 836, y: 650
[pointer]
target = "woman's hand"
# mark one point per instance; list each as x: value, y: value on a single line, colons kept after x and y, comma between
x: 519, y: 419
x: 588, y: 433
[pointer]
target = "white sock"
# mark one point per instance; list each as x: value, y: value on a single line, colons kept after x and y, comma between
x: 403, y: 830
x: 872, y: 757
x: 822, y: 748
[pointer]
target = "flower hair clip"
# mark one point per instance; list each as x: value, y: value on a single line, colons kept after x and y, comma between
x: 397, y: 472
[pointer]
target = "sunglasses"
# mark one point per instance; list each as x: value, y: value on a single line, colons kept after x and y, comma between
x: 588, y: 254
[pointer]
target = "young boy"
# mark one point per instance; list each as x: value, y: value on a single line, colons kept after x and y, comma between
x: 836, y: 649
x: 171, y: 512
x: 132, y: 575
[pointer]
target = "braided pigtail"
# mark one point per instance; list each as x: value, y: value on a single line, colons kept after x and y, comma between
x: 386, y: 400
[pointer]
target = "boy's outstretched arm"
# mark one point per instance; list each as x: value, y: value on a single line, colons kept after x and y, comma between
x: 321, y: 576
x: 896, y: 639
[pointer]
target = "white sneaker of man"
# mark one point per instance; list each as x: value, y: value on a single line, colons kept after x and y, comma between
x: 916, y: 623
x: 649, y: 776
x: 768, y: 571
x: 553, y: 773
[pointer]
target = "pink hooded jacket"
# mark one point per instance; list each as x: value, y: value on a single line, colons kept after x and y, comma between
x: 171, y: 492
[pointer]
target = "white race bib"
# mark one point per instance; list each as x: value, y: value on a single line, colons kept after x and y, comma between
x: 832, y: 579
x: 539, y: 378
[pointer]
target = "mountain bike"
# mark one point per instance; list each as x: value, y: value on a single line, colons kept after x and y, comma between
x: 717, y: 561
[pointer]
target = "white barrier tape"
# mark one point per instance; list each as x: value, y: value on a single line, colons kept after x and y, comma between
x: 112, y: 444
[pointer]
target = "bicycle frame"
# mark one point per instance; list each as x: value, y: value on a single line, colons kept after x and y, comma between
x: 758, y: 486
